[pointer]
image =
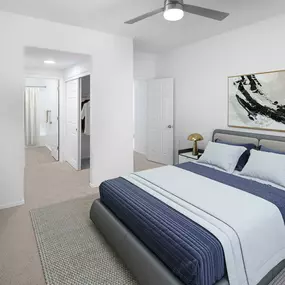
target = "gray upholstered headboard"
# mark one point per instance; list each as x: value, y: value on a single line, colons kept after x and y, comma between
x: 273, y: 142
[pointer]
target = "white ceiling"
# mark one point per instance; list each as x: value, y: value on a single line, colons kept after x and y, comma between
x: 35, y: 57
x: 154, y: 34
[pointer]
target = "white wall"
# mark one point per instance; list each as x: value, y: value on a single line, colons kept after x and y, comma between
x: 44, y: 73
x: 144, y: 69
x: 78, y: 70
x: 112, y: 90
x: 201, y: 70
x: 140, y: 92
x: 144, y: 65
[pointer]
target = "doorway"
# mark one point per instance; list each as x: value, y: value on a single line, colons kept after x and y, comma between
x: 41, y: 109
x: 50, y: 76
x: 154, y: 122
x: 78, y: 128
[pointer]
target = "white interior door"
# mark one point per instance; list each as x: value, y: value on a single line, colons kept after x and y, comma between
x: 160, y: 120
x: 52, y: 121
x: 72, y: 142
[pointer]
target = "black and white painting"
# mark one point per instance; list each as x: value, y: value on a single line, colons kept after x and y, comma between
x: 257, y: 101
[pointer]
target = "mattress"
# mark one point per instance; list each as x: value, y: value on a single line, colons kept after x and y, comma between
x: 188, y: 250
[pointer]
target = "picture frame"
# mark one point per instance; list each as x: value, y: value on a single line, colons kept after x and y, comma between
x: 257, y: 101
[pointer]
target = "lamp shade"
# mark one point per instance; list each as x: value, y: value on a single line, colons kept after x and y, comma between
x: 195, y: 137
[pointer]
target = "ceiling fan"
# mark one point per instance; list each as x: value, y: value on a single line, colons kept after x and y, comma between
x: 174, y: 11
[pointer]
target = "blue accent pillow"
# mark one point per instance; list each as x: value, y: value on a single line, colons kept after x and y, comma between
x: 244, y: 157
x: 263, y: 148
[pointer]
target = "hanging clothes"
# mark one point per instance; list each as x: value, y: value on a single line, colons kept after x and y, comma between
x: 85, y: 115
x: 83, y: 120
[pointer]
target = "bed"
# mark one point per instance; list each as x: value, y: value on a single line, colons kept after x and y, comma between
x: 151, y: 234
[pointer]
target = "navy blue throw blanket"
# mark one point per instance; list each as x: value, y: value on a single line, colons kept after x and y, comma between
x: 190, y: 252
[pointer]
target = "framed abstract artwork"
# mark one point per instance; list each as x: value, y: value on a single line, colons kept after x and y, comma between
x: 257, y: 101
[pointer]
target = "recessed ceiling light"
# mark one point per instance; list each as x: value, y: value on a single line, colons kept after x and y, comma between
x: 49, y: 62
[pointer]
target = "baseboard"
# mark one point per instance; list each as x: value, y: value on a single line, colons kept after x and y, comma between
x: 93, y: 186
x: 19, y: 203
x: 140, y: 152
x: 48, y: 147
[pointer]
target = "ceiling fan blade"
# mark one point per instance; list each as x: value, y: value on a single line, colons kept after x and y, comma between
x: 204, y: 12
x: 144, y: 16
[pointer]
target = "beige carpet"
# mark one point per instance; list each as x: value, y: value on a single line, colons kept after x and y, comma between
x: 38, y: 155
x: 46, y: 183
x: 141, y: 163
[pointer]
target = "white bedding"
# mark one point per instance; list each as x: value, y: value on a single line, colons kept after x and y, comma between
x: 237, y: 173
x: 223, y: 156
x: 250, y: 229
x: 267, y: 166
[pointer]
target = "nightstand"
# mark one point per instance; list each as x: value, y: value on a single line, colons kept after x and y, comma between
x: 185, y: 155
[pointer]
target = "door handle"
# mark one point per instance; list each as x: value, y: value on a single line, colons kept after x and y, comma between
x: 48, y: 116
x: 170, y: 127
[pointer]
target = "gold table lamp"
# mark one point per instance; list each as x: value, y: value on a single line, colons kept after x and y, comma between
x: 195, y: 138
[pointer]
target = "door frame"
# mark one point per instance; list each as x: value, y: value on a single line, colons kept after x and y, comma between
x: 60, y: 91
x: 173, y: 116
x: 145, y: 81
x: 58, y: 117
x: 78, y: 130
x: 78, y: 76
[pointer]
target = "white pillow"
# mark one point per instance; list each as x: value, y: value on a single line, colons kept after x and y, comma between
x: 223, y: 156
x: 267, y: 166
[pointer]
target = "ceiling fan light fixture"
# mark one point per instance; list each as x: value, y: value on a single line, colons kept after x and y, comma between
x: 173, y: 15
x: 173, y: 11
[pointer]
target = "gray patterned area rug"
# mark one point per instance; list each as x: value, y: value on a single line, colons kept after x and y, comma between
x: 71, y: 249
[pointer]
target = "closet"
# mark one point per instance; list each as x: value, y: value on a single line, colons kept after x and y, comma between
x: 77, y: 149
x: 85, y: 121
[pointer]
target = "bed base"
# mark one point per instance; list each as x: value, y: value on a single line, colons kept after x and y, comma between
x: 142, y: 263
